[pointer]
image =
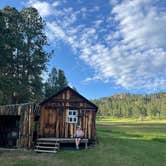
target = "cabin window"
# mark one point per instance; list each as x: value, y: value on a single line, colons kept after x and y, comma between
x: 72, y: 116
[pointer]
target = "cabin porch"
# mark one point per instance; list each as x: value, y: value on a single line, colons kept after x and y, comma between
x: 53, y: 144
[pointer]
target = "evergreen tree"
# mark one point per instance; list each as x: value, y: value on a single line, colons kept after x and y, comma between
x: 35, y: 57
x: 62, y: 81
x: 22, y: 54
x: 56, y: 81
x: 51, y: 85
x: 10, y: 51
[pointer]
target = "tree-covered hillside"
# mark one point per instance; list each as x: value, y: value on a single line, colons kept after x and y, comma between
x: 133, y: 106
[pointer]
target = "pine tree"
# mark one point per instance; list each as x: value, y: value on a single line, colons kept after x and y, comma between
x: 62, y: 81
x: 51, y: 85
x: 22, y: 54
x: 11, y: 43
x: 56, y: 81
x: 35, y: 57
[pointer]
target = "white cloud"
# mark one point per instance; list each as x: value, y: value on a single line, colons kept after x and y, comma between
x: 142, y: 29
x: 138, y: 59
x: 55, y: 30
x: 55, y: 3
x: 128, y: 49
x: 43, y: 7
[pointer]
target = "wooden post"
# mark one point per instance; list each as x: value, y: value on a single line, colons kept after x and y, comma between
x: 22, y: 114
x: 86, y: 145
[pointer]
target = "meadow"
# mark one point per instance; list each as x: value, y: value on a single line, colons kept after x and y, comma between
x: 120, y: 142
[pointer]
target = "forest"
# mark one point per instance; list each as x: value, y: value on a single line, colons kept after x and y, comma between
x: 24, y: 58
x: 133, y: 105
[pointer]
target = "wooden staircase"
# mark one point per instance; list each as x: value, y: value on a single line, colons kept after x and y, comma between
x: 46, y: 145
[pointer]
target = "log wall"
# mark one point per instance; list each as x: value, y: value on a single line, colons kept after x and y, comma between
x: 26, y: 114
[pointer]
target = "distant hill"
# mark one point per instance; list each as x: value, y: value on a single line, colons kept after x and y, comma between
x: 126, y: 105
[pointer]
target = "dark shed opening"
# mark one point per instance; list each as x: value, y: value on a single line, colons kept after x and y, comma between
x: 9, y: 131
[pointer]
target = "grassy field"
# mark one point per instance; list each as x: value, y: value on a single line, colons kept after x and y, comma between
x: 120, y: 143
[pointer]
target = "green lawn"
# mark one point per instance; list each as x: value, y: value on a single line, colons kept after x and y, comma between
x: 120, y: 143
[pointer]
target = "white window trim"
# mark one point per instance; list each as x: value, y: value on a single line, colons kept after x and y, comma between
x: 71, y: 116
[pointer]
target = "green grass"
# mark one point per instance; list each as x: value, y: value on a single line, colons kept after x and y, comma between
x: 120, y: 143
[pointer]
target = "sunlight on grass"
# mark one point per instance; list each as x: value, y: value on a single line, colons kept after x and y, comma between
x: 119, y: 143
x: 134, y: 129
x: 129, y: 120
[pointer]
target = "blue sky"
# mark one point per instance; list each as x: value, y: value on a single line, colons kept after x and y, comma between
x: 106, y: 46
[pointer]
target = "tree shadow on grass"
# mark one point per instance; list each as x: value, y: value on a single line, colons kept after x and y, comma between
x: 159, y: 139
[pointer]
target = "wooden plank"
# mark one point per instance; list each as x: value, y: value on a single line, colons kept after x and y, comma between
x: 90, y: 124
x: 71, y: 130
x: 68, y: 95
x: 45, y: 151
x: 41, y: 122
x: 55, y: 117
x: 52, y: 123
x: 25, y: 130
x: 66, y: 129
x: 31, y: 125
x: 86, y: 124
x: 84, y: 121
x: 46, y: 123
x: 60, y: 122
x: 54, y: 106
x: 74, y: 129
x: 94, y: 124
x: 63, y: 122
x: 57, y: 123
x: 47, y: 143
x: 66, y: 108
x: 47, y: 147
x: 21, y: 127
x: 63, y: 116
x: 53, y: 141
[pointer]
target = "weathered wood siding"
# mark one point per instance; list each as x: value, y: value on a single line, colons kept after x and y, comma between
x: 26, y: 114
x: 26, y: 128
x: 53, y: 114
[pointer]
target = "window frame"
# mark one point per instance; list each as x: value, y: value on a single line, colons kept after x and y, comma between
x: 72, y: 116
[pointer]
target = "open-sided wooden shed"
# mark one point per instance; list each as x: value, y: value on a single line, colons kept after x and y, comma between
x: 62, y: 112
x: 17, y: 123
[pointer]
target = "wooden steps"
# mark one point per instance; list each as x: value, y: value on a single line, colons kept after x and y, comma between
x: 48, y: 143
x: 47, y: 146
x: 44, y: 151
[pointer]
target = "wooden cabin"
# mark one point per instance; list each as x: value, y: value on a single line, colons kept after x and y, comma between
x: 17, y: 125
x: 55, y: 119
x: 61, y: 113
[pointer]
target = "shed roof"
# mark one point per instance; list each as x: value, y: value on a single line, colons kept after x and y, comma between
x: 69, y: 88
x: 17, y: 109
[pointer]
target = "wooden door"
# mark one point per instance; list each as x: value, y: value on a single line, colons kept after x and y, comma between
x: 50, y: 123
